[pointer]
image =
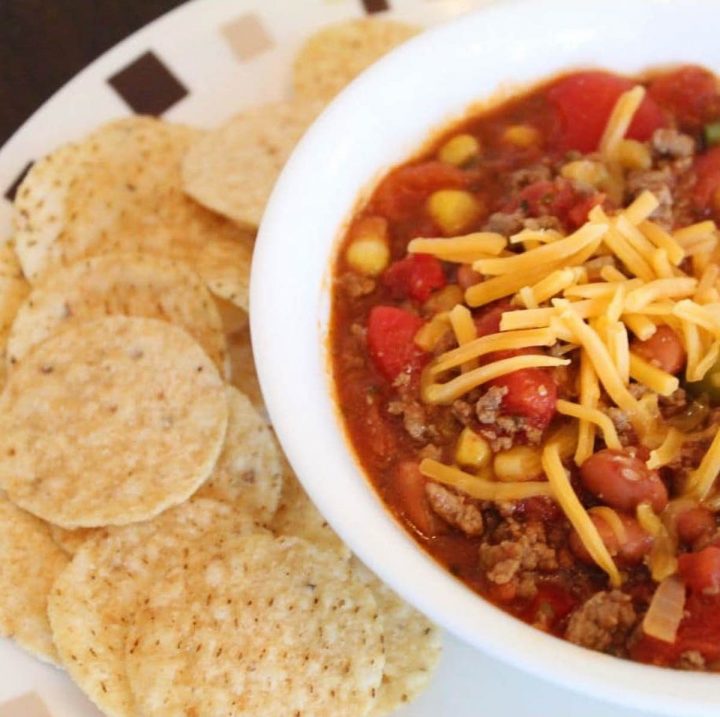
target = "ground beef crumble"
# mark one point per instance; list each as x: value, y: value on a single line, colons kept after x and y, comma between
x: 603, y: 622
x: 522, y: 552
x: 456, y: 510
x: 671, y: 143
x: 487, y: 408
x: 356, y: 285
x: 414, y: 417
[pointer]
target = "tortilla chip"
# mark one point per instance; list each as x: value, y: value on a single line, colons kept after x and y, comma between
x: 335, y: 55
x: 110, y: 422
x: 13, y: 291
x: 233, y: 169
x: 243, y: 374
x: 412, y: 646
x: 298, y: 516
x: 71, y: 540
x: 120, y: 190
x: 257, y: 626
x: 91, y: 604
x: 29, y: 563
x: 249, y: 472
x: 120, y: 284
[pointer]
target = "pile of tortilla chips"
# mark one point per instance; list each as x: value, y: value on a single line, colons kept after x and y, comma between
x: 153, y: 540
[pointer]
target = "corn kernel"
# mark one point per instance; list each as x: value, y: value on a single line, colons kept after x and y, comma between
x: 430, y: 334
x: 522, y: 135
x: 459, y: 150
x: 632, y: 154
x: 453, y: 210
x: 472, y: 450
x: 369, y: 250
x: 519, y: 463
x: 445, y: 299
x: 586, y: 171
x: 368, y: 256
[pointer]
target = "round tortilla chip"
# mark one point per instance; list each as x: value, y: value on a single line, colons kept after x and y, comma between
x: 120, y: 190
x: 336, y: 54
x: 233, y: 169
x: 243, y: 374
x: 249, y: 471
x: 110, y: 422
x: 120, y: 284
x: 260, y: 626
x: 92, y: 602
x: 71, y: 540
x: 297, y: 516
x: 412, y: 646
x: 29, y: 563
x: 13, y: 291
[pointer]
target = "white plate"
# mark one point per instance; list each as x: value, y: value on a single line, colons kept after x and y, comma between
x: 192, y: 43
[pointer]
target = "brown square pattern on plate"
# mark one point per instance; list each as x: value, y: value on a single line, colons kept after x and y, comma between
x: 29, y: 705
x: 148, y: 86
x: 247, y: 36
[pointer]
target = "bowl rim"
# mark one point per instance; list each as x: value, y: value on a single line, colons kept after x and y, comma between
x: 292, y: 362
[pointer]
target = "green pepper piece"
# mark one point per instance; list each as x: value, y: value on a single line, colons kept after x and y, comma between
x: 709, y: 386
x: 712, y: 133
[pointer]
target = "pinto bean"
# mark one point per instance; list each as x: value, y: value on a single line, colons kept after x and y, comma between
x: 695, y: 523
x: 629, y: 551
x: 623, y: 481
x: 663, y: 349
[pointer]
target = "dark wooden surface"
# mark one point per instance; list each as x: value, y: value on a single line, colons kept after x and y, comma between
x: 43, y: 43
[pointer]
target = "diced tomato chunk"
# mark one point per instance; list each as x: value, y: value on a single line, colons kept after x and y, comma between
x: 701, y: 571
x: 390, y: 337
x: 707, y: 184
x: 406, y: 188
x: 689, y: 93
x: 409, y: 486
x: 584, y: 101
x: 531, y: 394
x: 578, y: 214
x: 699, y: 631
x: 550, y: 605
x: 548, y: 198
x: 415, y: 277
x: 663, y: 349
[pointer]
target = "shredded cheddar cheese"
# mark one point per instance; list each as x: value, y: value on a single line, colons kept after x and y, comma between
x: 667, y: 451
x: 592, y: 415
x: 576, y: 513
x: 463, y: 326
x: 481, y: 488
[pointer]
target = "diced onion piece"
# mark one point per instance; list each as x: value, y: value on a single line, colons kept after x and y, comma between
x: 481, y: 488
x: 592, y: 415
x: 662, y: 560
x: 666, y: 610
x: 576, y: 514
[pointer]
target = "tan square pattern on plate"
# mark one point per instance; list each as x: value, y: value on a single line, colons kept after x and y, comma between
x: 247, y: 36
x: 29, y: 705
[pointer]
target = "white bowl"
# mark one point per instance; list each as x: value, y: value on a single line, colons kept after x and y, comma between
x: 380, y: 120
